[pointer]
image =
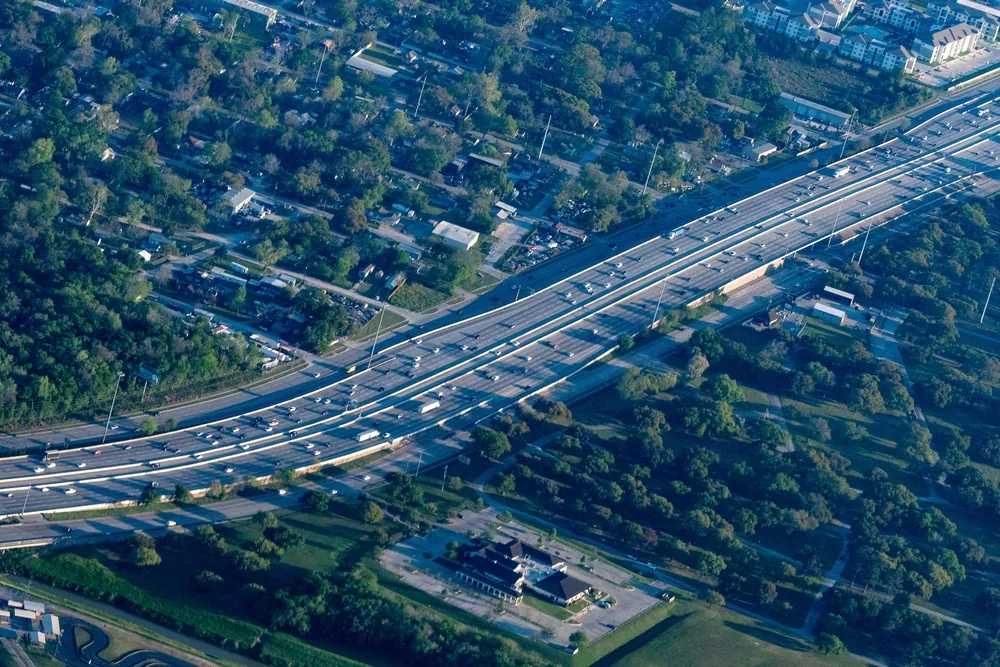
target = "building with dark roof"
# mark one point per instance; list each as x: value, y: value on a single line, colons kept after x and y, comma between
x: 561, y: 588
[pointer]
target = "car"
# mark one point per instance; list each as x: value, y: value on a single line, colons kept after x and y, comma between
x: 196, y: 456
x: 282, y: 492
x: 229, y: 468
x: 97, y: 452
x: 366, y: 478
x: 334, y: 492
x: 317, y: 400
x: 171, y: 523
x: 8, y: 495
x: 40, y: 469
x: 45, y: 489
x: 82, y: 464
x: 310, y: 445
x: 70, y: 491
x: 317, y: 375
x: 128, y: 447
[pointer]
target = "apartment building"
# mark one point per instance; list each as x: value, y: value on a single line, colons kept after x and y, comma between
x: 797, y: 19
x: 895, y: 13
x: 982, y: 17
x: 873, y: 46
x: 936, y: 46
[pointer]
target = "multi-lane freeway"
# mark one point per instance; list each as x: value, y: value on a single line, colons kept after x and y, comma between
x: 463, y: 372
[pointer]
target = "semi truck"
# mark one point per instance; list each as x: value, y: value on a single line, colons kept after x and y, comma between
x: 365, y: 436
x: 426, y: 407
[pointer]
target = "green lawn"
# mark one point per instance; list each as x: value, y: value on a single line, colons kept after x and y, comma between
x: 478, y: 282
x: 553, y: 610
x: 693, y: 634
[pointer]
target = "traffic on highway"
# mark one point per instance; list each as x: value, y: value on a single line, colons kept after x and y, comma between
x: 460, y: 374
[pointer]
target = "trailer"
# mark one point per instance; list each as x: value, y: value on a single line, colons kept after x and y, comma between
x: 424, y: 408
x: 841, y: 171
x: 365, y: 436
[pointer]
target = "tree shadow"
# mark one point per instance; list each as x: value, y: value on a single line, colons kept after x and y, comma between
x: 770, y: 636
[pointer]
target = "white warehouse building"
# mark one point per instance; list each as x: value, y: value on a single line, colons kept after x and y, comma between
x: 455, y: 236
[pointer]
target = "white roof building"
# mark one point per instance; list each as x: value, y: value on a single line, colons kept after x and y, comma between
x: 50, y: 625
x: 239, y: 200
x: 455, y: 236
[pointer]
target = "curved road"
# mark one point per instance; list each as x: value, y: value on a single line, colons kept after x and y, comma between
x: 465, y: 371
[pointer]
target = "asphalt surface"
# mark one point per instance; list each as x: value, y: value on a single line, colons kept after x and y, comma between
x: 89, y: 654
x: 490, y: 360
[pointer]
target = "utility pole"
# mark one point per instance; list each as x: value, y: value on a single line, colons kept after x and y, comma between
x: 988, y: 297
x: 544, y: 137
x: 107, y: 426
x: 327, y: 45
x: 420, y: 459
x: 444, y: 476
x: 651, y: 163
x: 420, y: 97
x: 378, y: 330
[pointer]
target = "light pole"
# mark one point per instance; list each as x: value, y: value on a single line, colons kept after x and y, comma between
x: 656, y: 311
x: 378, y: 330
x: 864, y: 244
x: 24, y: 507
x: 107, y: 426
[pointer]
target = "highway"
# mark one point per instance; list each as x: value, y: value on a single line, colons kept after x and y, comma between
x: 490, y: 361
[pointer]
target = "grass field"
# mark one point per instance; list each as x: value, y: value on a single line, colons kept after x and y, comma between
x: 555, y: 611
x: 417, y: 298
x: 693, y: 634
x: 390, y: 321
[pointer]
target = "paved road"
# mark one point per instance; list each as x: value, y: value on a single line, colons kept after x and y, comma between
x: 483, y: 361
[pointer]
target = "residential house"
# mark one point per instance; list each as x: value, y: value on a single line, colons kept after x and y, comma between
x: 895, y: 13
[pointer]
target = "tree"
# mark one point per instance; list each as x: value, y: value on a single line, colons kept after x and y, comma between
x: 712, y: 598
x: 828, y: 644
x: 182, y: 495
x: 767, y: 592
x: 507, y: 485
x: 723, y: 388
x: 143, y: 549
x: 265, y: 520
x: 316, y: 501
x: 578, y: 639
x: 250, y: 562
x: 150, y: 495
x: 696, y: 367
x: 625, y: 343
x: 148, y: 426
x: 821, y: 429
x: 207, y: 580
x: 372, y: 513
x: 711, y: 564
x: 490, y: 443
x: 238, y: 299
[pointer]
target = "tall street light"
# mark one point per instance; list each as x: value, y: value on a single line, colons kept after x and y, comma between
x: 107, y: 426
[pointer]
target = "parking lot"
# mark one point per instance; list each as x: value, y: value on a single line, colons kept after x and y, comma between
x: 413, y: 560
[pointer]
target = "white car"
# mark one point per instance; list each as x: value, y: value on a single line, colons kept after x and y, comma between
x: 70, y: 491
x: 81, y: 465
x: 310, y: 445
x: 334, y: 492
x: 45, y: 489
x: 229, y: 468
x: 366, y: 478
x: 39, y: 470
x: 282, y: 492
x: 316, y: 375
x: 171, y: 523
x: 196, y: 456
